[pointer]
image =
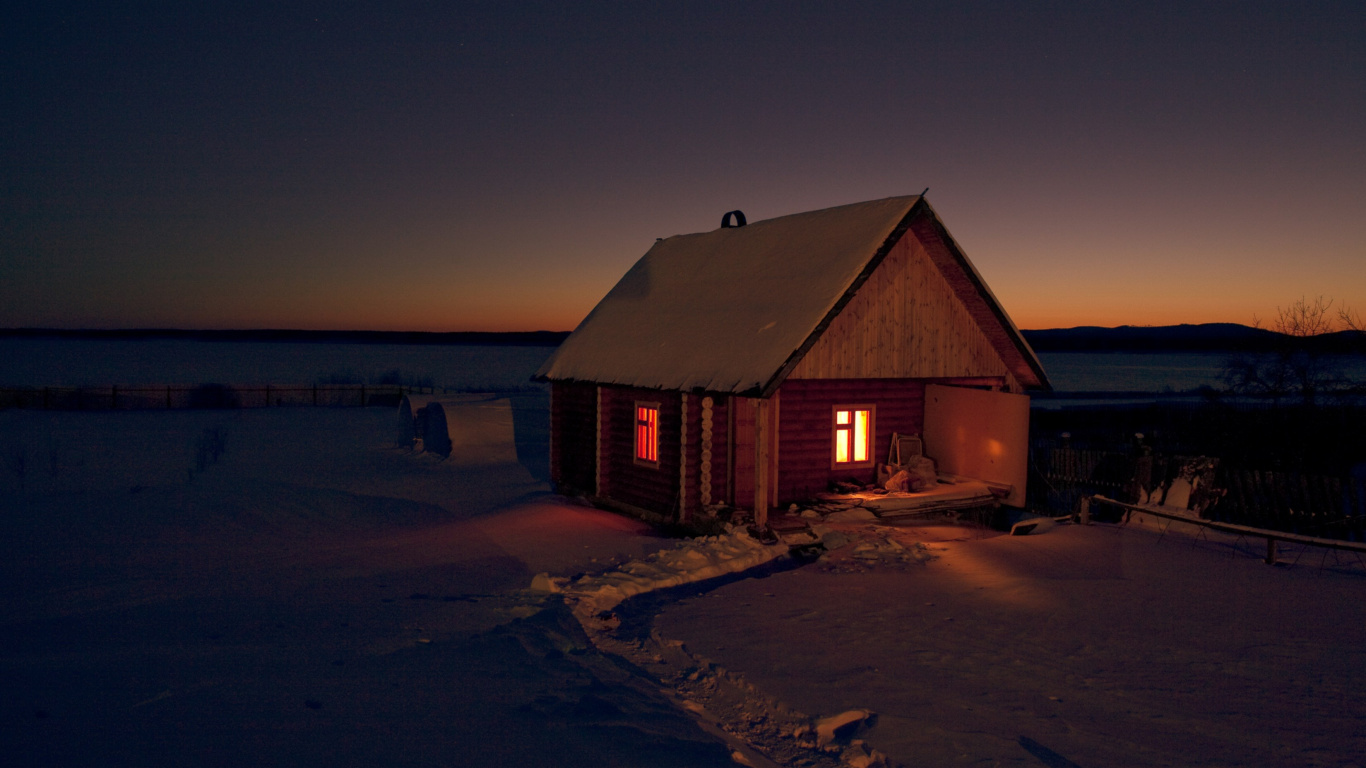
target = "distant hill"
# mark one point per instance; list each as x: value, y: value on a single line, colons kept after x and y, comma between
x: 1206, y: 337
x: 520, y: 338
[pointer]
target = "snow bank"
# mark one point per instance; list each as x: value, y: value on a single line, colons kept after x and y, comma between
x: 691, y: 560
x: 475, y: 428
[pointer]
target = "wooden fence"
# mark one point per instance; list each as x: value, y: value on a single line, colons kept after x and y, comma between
x: 1334, y: 507
x: 199, y: 396
x: 1271, y: 535
x: 1293, y: 502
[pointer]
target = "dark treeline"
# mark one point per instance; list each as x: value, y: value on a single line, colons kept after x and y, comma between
x: 1208, y: 337
x: 518, y: 338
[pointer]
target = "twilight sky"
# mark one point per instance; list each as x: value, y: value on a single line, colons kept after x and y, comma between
x: 498, y: 166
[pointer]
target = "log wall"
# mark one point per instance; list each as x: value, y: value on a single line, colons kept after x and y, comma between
x: 742, y: 452
x: 721, y: 449
x: 906, y: 321
x: 573, y: 424
x: 652, y: 488
x: 805, y: 428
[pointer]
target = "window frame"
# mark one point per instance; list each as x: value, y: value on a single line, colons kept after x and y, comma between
x: 652, y: 429
x: 836, y: 428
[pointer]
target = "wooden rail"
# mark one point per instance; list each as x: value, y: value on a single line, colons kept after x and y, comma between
x: 1243, y: 530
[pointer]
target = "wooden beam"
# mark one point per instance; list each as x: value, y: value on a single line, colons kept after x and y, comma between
x: 704, y: 471
x: 774, y: 416
x: 683, y: 459
x: 761, y: 459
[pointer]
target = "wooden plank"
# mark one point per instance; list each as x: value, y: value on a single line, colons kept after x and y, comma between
x: 774, y: 421
x: 742, y: 451
x: 761, y: 463
x: 683, y: 458
x: 704, y: 473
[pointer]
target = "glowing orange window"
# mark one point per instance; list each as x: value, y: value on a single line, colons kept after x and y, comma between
x: 853, y: 443
x: 647, y: 433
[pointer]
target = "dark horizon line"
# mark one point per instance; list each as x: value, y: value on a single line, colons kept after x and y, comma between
x: 1212, y: 337
x: 474, y: 338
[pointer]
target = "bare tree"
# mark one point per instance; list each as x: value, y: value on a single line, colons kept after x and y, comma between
x: 1350, y: 320
x: 1300, y: 365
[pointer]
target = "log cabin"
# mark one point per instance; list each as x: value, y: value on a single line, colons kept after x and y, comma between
x: 752, y: 365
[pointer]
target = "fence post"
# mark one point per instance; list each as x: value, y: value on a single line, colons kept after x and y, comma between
x: 1270, y: 551
x: 168, y: 396
x: 1084, y: 514
x: 362, y: 395
x: 315, y: 395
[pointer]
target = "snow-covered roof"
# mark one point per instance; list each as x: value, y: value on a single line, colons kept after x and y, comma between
x: 732, y: 310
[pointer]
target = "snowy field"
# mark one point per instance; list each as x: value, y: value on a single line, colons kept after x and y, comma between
x: 284, y: 587
x: 101, y: 363
x: 311, y: 597
x: 1089, y: 646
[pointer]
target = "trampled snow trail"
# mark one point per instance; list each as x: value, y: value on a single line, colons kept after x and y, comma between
x: 688, y: 561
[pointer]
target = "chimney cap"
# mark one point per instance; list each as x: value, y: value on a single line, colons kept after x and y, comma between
x: 739, y: 219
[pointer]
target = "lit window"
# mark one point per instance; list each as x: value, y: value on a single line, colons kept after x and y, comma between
x: 853, y: 435
x: 647, y: 433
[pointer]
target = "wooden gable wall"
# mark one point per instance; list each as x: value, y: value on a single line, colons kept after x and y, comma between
x: 904, y: 322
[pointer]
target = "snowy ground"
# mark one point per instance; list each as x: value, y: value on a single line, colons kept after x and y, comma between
x: 1082, y: 646
x: 312, y: 596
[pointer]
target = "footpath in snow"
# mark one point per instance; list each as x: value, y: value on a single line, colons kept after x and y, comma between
x: 689, y: 561
x: 763, y: 730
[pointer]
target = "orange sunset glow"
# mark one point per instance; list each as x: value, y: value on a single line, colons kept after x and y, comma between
x: 1100, y: 166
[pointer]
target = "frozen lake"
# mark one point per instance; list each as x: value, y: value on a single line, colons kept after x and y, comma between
x: 101, y: 363
x: 1132, y: 371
